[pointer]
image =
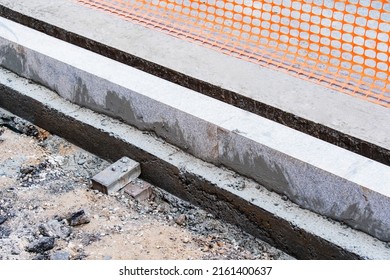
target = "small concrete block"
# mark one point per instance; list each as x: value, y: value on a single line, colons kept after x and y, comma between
x: 140, y: 192
x: 116, y: 176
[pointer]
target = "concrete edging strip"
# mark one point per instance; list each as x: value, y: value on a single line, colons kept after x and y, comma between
x: 345, y: 121
x: 258, y: 211
x: 312, y: 173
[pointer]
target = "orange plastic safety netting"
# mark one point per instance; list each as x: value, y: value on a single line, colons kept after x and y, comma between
x: 341, y: 44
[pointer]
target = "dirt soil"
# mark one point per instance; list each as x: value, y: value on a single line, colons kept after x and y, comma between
x: 49, y: 211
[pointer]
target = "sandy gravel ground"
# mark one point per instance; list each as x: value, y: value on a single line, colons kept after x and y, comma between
x: 49, y: 211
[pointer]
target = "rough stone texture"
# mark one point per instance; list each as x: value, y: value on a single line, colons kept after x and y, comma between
x: 78, y: 218
x: 41, y: 245
x: 4, y: 231
x: 245, y: 203
x: 2, y: 219
x: 60, y: 256
x: 55, y: 229
x: 18, y: 125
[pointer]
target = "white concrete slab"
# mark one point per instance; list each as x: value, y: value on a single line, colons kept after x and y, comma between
x: 341, y: 112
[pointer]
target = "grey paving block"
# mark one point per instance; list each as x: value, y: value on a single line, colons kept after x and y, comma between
x: 139, y: 192
x: 116, y: 176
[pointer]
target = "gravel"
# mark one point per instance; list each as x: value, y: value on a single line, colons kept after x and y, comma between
x: 49, y: 212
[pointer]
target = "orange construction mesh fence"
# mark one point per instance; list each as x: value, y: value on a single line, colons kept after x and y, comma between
x: 344, y: 45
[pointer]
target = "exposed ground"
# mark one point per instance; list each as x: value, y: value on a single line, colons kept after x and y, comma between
x: 49, y: 211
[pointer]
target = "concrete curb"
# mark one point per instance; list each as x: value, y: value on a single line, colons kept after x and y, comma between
x: 258, y: 211
x: 360, y: 127
x: 312, y: 173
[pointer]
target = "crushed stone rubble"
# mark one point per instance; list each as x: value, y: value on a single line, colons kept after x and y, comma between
x: 48, y: 210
